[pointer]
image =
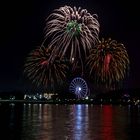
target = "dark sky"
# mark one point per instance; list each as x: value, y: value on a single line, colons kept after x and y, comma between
x: 23, y: 21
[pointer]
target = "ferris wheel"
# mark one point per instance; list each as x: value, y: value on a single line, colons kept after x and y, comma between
x: 78, y: 86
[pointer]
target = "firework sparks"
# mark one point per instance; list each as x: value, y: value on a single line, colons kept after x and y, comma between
x: 108, y: 62
x: 73, y: 32
x: 41, y: 71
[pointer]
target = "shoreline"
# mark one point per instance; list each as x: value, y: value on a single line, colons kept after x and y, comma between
x: 66, y: 102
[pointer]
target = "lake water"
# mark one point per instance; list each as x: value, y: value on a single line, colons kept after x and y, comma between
x: 69, y: 122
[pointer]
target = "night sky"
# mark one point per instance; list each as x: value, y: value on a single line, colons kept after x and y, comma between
x: 23, y: 21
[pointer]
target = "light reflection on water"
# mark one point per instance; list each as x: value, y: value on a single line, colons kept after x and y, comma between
x: 69, y: 122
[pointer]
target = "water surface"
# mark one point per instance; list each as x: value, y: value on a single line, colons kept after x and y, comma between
x: 69, y: 122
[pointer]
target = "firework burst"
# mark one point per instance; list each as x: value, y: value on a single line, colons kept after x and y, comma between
x: 73, y: 31
x: 108, y: 63
x: 43, y: 72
